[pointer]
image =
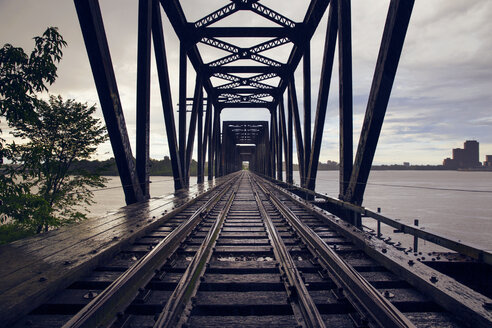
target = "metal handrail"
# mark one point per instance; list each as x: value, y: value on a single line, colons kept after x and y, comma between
x: 457, y: 246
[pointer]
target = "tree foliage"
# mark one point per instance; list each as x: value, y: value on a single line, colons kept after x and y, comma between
x: 38, y: 188
x: 22, y: 76
x: 63, y: 131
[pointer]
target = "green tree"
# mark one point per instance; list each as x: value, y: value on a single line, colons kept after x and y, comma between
x: 63, y: 131
x: 39, y: 188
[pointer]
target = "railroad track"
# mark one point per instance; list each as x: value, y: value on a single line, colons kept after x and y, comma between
x: 244, y: 256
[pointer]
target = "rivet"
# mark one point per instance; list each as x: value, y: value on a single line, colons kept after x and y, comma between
x: 411, y: 262
x: 384, y: 250
x: 434, y: 279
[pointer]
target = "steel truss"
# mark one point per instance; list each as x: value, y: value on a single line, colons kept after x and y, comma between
x: 270, y: 81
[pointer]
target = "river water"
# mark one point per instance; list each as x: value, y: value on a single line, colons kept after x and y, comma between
x: 452, y: 203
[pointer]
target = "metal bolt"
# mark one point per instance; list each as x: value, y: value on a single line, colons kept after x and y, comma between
x: 411, y: 262
x: 384, y: 250
x: 434, y: 279
x: 387, y: 294
x: 90, y: 295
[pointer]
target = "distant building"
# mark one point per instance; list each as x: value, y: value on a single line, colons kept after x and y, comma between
x: 406, y: 164
x: 488, y: 161
x: 465, y: 158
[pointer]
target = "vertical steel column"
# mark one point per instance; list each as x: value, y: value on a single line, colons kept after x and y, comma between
x: 284, y: 137
x: 389, y: 55
x: 217, y: 141
x: 324, y: 90
x: 267, y: 149
x: 290, y: 145
x: 279, y: 145
x: 165, y: 89
x: 91, y: 24
x: 183, y: 62
x: 199, y: 139
x: 222, y: 149
x: 294, y: 109
x: 345, y: 91
x: 207, y: 135
x: 307, y: 108
x: 197, y: 103
x: 211, y: 146
x: 273, y: 144
x: 143, y: 94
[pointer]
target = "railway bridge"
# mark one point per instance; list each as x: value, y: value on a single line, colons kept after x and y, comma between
x: 243, y: 248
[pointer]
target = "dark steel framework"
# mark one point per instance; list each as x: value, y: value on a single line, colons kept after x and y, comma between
x: 246, y: 77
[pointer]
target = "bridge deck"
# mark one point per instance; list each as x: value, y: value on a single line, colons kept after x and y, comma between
x: 239, y: 238
x: 33, y: 269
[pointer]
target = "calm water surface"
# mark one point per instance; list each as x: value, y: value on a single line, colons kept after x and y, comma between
x: 464, y: 214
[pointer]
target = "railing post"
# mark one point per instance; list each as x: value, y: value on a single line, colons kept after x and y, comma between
x: 379, y: 224
x: 415, y: 238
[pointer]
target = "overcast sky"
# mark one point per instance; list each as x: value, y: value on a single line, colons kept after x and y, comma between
x: 441, y: 96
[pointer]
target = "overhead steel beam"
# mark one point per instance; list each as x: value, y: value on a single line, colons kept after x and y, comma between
x: 345, y: 94
x: 143, y: 94
x: 245, y: 32
x: 389, y: 55
x: 91, y: 24
x: 246, y: 69
x: 324, y: 90
x: 165, y: 88
x: 302, y: 37
x: 186, y: 33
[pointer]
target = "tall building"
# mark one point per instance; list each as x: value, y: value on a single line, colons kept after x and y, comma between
x: 464, y: 158
x: 488, y: 161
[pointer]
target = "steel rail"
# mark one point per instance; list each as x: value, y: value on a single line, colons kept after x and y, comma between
x: 476, y: 253
x: 105, y: 306
x: 171, y: 315
x: 296, y: 288
x: 377, y: 306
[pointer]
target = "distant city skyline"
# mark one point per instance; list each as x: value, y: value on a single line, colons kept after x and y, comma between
x: 440, y: 98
